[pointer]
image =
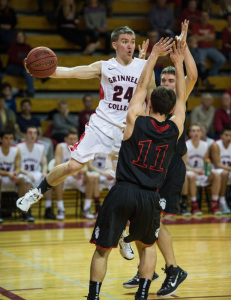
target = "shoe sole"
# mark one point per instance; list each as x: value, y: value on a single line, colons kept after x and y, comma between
x: 129, y: 286
x: 183, y: 278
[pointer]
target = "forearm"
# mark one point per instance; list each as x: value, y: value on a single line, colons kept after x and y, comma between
x: 222, y: 166
x: 80, y: 72
x: 190, y: 65
x: 4, y: 173
x: 180, y: 83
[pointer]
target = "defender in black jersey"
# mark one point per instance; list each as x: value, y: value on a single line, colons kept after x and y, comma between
x: 148, y: 146
x: 172, y: 186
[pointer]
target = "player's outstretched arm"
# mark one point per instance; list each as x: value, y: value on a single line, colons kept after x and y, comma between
x: 177, y: 57
x: 79, y: 72
x: 190, y: 64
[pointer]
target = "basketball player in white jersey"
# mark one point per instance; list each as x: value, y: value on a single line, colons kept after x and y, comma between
x: 197, y: 153
x: 81, y: 181
x: 221, y: 157
x: 103, y: 134
x: 32, y: 158
x: 10, y: 165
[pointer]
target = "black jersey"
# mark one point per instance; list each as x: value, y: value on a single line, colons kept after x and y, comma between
x: 181, y: 148
x: 144, y: 158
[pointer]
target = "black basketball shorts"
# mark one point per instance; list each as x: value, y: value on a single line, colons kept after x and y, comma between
x: 172, y: 186
x: 126, y: 201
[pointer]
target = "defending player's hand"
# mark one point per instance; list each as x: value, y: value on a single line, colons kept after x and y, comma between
x: 163, y: 47
x: 177, y: 55
x: 184, y: 32
x: 143, y: 49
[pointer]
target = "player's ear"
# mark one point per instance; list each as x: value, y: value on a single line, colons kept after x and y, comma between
x: 114, y: 46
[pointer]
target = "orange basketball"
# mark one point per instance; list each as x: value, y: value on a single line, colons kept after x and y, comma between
x: 41, y: 62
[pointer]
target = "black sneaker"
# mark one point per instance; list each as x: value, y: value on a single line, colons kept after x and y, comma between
x: 140, y: 297
x: 134, y: 282
x: 185, y: 212
x: 174, y: 277
x: 49, y: 214
x: 28, y: 217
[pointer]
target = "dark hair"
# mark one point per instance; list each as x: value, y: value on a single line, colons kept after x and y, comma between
x: 5, y: 132
x: 168, y: 70
x: 5, y: 85
x: 163, y: 100
x: 85, y: 96
x: 25, y: 101
x: 121, y: 30
x: 32, y: 126
x: 225, y: 129
x: 71, y: 131
x: 62, y: 102
x: 194, y: 124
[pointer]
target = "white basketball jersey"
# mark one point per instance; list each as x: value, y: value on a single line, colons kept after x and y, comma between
x: 66, y: 153
x: 100, y: 161
x: 195, y: 156
x: 7, y: 161
x: 30, y: 161
x: 118, y: 84
x: 225, y: 154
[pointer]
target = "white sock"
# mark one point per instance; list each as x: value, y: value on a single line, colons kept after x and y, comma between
x: 60, y: 205
x: 48, y: 203
x: 222, y: 200
x: 193, y: 199
x: 215, y: 197
x: 87, y: 204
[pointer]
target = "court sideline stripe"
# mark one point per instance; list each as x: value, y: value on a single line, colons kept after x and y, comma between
x: 53, y: 273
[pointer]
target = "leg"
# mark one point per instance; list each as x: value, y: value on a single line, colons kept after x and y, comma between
x: 146, y: 269
x: 218, y: 58
x: 193, y: 193
x: 165, y: 246
x: 222, y: 198
x: 97, y: 272
x: 90, y: 182
x: 59, y: 201
x: 48, y: 206
x: 62, y: 171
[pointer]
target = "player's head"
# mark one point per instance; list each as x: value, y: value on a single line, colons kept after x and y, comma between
x: 226, y: 135
x: 163, y: 100
x: 7, y: 138
x: 168, y: 77
x: 31, y: 133
x: 195, y: 132
x: 203, y: 131
x: 71, y: 137
x: 88, y: 101
x: 123, y: 42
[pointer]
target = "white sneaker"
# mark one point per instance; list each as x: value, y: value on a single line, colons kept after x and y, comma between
x: 126, y: 249
x: 224, y: 207
x: 88, y: 215
x: 31, y: 197
x: 60, y: 215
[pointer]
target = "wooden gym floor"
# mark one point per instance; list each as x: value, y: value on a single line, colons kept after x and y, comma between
x: 51, y: 260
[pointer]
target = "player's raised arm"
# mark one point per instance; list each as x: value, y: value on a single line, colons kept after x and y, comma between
x: 162, y: 48
x: 177, y: 57
x: 191, y: 69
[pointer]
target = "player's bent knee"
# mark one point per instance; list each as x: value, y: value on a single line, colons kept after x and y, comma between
x: 73, y: 166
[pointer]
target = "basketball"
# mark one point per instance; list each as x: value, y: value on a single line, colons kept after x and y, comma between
x: 41, y: 62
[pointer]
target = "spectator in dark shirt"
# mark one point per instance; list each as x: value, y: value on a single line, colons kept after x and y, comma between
x: 63, y: 121
x: 85, y: 114
x: 7, y: 116
x: 222, y: 116
x: 15, y: 66
x: 190, y: 13
x: 205, y: 34
x: 26, y: 119
x: 67, y: 20
x: 226, y: 38
x: 6, y: 89
x: 96, y: 25
x: 8, y: 22
x: 161, y: 19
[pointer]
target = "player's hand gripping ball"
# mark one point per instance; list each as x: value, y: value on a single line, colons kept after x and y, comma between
x: 41, y: 62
